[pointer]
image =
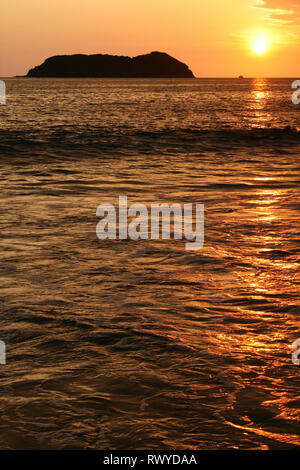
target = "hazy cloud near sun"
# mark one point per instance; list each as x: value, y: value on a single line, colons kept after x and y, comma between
x: 282, y: 11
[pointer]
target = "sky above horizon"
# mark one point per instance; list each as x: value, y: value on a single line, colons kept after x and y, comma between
x: 214, y: 38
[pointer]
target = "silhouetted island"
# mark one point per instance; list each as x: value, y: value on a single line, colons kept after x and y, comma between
x: 153, y: 65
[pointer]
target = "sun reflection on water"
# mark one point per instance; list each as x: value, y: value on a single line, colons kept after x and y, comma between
x: 259, y: 103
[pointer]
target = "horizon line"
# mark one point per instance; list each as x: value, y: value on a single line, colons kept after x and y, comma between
x: 154, y: 78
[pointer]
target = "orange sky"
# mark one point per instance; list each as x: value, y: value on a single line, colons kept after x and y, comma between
x: 213, y: 37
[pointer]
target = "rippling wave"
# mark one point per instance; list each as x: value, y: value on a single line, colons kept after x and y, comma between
x: 142, y: 345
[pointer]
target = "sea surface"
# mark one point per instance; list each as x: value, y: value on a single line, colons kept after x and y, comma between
x: 142, y: 344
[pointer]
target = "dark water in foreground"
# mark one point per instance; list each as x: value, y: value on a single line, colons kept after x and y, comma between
x: 143, y: 345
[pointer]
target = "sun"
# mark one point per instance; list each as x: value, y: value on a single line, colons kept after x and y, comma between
x: 259, y: 46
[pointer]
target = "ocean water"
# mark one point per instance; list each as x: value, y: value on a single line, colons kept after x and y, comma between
x: 142, y: 344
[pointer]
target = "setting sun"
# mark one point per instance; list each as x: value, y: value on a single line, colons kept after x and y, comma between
x: 259, y: 46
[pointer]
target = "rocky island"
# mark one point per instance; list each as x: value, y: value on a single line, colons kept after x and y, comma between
x: 153, y: 65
